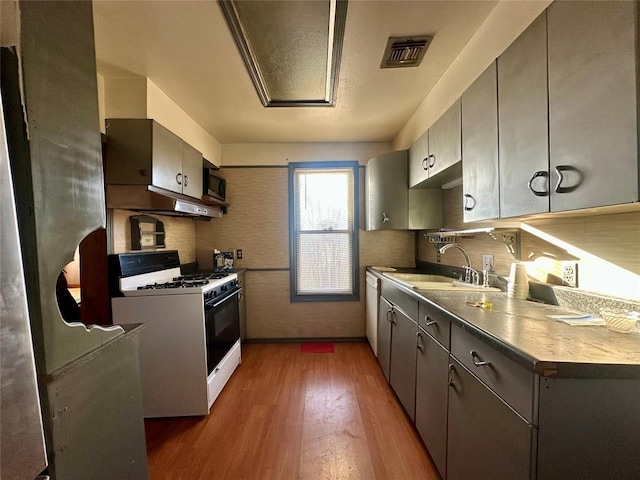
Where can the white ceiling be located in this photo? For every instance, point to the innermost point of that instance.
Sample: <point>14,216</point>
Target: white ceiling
<point>186,49</point>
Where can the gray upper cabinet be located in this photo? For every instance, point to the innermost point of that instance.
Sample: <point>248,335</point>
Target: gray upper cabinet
<point>523,123</point>
<point>143,152</point>
<point>419,160</point>
<point>390,205</point>
<point>480,147</point>
<point>387,200</point>
<point>191,171</point>
<point>435,157</point>
<point>444,141</point>
<point>593,103</point>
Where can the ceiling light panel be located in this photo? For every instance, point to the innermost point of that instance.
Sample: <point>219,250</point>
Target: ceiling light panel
<point>291,48</point>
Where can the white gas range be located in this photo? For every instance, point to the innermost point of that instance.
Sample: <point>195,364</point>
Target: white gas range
<point>190,345</point>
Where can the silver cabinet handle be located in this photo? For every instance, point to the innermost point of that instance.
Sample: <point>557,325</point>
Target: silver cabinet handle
<point>477,361</point>
<point>566,168</point>
<point>538,193</point>
<point>450,381</point>
<point>385,219</point>
<point>429,322</point>
<point>186,180</point>
<point>469,202</point>
<point>419,343</point>
<point>179,179</point>
<point>432,160</point>
<point>425,163</point>
<point>389,313</point>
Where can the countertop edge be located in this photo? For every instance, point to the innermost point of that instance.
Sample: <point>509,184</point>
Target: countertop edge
<point>544,368</point>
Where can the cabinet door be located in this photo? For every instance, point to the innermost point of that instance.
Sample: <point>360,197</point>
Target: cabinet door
<point>487,440</point>
<point>593,103</point>
<point>524,123</point>
<point>431,398</point>
<point>191,171</point>
<point>480,148</point>
<point>384,335</point>
<point>419,161</point>
<point>242,306</point>
<point>402,368</point>
<point>167,159</point>
<point>387,192</point>
<point>444,141</point>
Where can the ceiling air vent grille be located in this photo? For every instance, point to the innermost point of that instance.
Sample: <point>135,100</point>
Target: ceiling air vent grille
<point>405,51</point>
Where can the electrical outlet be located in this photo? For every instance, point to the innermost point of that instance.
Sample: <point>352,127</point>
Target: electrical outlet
<point>570,273</point>
<point>239,254</point>
<point>487,262</point>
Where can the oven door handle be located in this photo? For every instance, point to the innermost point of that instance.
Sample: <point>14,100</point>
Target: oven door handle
<point>213,303</point>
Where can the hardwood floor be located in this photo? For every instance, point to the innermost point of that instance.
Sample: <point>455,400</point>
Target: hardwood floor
<point>291,415</point>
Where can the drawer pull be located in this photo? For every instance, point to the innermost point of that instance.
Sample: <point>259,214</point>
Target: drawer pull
<point>477,361</point>
<point>429,322</point>
<point>419,343</point>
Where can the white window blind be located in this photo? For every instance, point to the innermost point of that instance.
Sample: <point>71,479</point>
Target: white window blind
<point>324,228</point>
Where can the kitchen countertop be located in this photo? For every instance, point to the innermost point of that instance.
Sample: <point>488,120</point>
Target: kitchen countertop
<point>521,330</point>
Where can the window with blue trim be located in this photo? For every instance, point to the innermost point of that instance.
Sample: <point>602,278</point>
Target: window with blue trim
<point>323,226</point>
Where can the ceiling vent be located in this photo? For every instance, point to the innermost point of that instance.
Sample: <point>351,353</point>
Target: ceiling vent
<point>405,51</point>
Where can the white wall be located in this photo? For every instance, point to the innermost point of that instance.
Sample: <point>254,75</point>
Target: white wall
<point>134,96</point>
<point>261,154</point>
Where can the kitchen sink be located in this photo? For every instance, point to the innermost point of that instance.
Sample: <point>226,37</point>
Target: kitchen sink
<point>425,281</point>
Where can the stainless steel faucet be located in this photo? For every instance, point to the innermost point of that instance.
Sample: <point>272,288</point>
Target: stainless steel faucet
<point>470,275</point>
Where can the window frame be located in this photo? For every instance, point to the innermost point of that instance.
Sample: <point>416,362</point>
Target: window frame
<point>293,237</point>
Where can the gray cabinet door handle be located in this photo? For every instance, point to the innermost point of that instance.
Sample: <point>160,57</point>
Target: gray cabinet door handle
<point>425,164</point>
<point>477,361</point>
<point>450,381</point>
<point>469,202</point>
<point>538,193</point>
<point>419,342</point>
<point>432,160</point>
<point>179,179</point>
<point>385,219</point>
<point>567,168</point>
<point>389,313</point>
<point>186,180</point>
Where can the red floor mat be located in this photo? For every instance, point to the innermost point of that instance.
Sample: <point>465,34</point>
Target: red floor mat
<point>317,347</point>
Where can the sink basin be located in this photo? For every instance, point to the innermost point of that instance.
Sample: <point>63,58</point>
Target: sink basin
<point>425,281</point>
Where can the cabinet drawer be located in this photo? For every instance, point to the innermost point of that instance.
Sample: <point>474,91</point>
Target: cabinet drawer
<point>397,297</point>
<point>435,322</point>
<point>512,382</point>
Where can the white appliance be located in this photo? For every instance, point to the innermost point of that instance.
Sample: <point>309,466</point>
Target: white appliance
<point>372,305</point>
<point>190,345</point>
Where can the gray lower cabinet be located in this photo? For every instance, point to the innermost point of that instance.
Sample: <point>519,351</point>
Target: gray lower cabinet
<point>480,147</point>
<point>593,103</point>
<point>432,397</point>
<point>487,440</point>
<point>524,123</point>
<point>384,336</point>
<point>402,367</point>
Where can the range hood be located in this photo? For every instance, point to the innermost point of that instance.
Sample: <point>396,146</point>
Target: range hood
<point>152,199</point>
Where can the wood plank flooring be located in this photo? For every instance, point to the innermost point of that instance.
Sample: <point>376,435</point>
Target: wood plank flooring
<point>291,415</point>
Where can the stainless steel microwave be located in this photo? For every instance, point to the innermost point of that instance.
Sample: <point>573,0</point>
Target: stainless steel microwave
<point>214,185</point>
